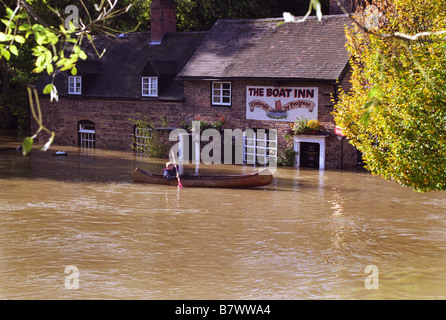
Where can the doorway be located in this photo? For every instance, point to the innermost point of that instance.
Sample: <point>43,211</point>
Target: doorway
<point>309,155</point>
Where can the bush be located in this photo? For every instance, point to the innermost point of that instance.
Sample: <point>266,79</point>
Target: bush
<point>287,157</point>
<point>151,141</point>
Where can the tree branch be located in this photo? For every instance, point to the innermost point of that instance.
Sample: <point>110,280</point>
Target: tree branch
<point>396,35</point>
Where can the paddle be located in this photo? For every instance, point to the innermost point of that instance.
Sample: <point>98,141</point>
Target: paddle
<point>176,169</point>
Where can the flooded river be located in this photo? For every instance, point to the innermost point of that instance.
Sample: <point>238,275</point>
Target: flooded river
<point>77,227</point>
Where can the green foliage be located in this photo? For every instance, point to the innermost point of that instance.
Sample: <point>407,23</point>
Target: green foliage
<point>300,125</point>
<point>150,141</point>
<point>395,112</point>
<point>50,42</point>
<point>287,156</point>
<point>55,46</point>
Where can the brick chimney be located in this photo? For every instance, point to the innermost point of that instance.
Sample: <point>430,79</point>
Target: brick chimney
<point>163,19</point>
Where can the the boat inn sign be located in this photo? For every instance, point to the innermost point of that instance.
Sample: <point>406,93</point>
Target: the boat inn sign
<point>281,103</point>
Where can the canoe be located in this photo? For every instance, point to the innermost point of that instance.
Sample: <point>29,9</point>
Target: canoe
<point>258,179</point>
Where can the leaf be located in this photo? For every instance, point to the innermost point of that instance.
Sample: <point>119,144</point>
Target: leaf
<point>37,27</point>
<point>13,50</point>
<point>27,145</point>
<point>6,54</point>
<point>38,69</point>
<point>48,56</point>
<point>19,39</point>
<point>49,69</point>
<point>82,55</point>
<point>38,50</point>
<point>22,15</point>
<point>9,12</point>
<point>40,62</point>
<point>24,27</point>
<point>5,37</point>
<point>48,88</point>
<point>53,40</point>
<point>8,23</point>
<point>39,37</point>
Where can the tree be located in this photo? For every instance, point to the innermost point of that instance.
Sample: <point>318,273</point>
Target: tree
<point>194,15</point>
<point>54,40</point>
<point>395,110</point>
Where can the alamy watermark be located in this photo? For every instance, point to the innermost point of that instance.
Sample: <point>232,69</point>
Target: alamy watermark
<point>235,146</point>
<point>371,17</point>
<point>72,280</point>
<point>73,17</point>
<point>372,280</point>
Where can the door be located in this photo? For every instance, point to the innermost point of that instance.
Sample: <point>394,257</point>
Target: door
<point>309,155</point>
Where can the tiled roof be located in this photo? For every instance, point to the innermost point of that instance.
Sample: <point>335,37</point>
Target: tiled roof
<point>269,48</point>
<point>118,73</point>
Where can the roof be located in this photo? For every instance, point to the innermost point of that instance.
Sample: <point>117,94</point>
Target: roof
<point>117,74</point>
<point>271,49</point>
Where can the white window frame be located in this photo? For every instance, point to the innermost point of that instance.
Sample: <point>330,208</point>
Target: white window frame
<point>221,96</point>
<point>149,86</point>
<point>259,146</point>
<point>74,85</point>
<point>87,137</point>
<point>142,136</point>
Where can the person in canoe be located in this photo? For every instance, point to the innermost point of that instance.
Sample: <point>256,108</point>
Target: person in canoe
<point>170,172</point>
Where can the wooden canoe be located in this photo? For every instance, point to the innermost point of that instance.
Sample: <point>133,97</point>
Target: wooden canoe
<point>258,179</point>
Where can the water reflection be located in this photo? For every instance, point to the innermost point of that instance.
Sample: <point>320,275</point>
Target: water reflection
<point>310,234</point>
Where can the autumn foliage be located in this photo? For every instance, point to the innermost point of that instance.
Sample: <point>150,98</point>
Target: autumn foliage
<point>395,112</point>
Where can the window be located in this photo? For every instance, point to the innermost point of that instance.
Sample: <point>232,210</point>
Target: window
<point>149,87</point>
<point>87,134</point>
<point>260,146</point>
<point>141,140</point>
<point>221,93</point>
<point>74,85</point>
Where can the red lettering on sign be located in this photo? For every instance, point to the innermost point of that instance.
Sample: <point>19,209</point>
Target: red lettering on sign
<point>303,93</point>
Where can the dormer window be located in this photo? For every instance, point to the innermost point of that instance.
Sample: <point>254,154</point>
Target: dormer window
<point>74,85</point>
<point>149,86</point>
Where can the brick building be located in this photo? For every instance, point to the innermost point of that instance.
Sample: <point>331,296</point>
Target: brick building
<point>258,74</point>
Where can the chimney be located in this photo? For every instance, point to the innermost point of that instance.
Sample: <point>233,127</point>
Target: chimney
<point>163,19</point>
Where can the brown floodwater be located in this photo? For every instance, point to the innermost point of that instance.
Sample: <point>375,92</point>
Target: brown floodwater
<point>309,235</point>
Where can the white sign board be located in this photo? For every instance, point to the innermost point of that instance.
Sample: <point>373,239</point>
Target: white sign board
<point>281,103</point>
